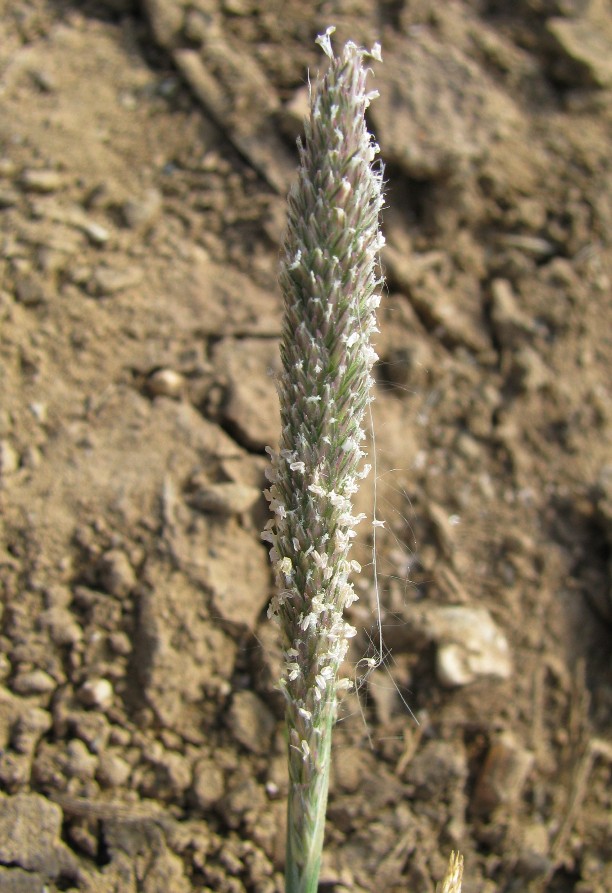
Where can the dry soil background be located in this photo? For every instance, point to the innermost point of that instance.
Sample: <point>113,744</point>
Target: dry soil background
<point>144,155</point>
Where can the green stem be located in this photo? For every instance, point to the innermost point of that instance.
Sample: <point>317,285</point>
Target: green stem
<point>306,810</point>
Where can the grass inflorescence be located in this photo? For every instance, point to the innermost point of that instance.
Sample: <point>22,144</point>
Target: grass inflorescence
<point>331,289</point>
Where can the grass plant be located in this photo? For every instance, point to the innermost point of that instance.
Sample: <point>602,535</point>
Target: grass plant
<point>331,289</point>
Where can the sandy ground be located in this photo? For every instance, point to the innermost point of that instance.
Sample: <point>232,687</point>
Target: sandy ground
<point>145,152</point>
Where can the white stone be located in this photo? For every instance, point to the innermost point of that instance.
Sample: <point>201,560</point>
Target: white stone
<point>470,645</point>
<point>97,693</point>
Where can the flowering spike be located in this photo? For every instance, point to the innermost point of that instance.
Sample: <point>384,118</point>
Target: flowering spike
<point>330,284</point>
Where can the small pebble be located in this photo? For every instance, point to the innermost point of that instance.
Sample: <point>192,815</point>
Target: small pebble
<point>8,198</point>
<point>503,774</point>
<point>62,626</point>
<point>139,213</point>
<point>83,838</point>
<point>529,371</point>
<point>15,771</point>
<point>177,770</point>
<point>96,693</point>
<point>31,457</point>
<point>80,274</point>
<point>529,244</point>
<point>33,682</point>
<point>39,410</point>
<point>120,643</point>
<point>351,769</point>
<point>95,232</point>
<point>246,796</point>
<point>128,100</point>
<point>470,645</point>
<point>224,499</point>
<point>42,181</point>
<point>30,727</point>
<point>251,722</point>
<point>62,239</point>
<point>109,280</point>
<point>113,770</point>
<point>116,573</point>
<point>92,727</point>
<point>80,763</point>
<point>30,291</point>
<point>208,783</point>
<point>9,458</point>
<point>57,596</point>
<point>510,322</point>
<point>120,736</point>
<point>43,80</point>
<point>166,383</point>
<point>468,447</point>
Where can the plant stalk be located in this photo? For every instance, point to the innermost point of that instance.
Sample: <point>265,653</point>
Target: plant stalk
<point>306,810</point>
<point>331,291</point>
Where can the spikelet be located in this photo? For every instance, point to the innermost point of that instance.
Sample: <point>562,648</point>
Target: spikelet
<point>451,883</point>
